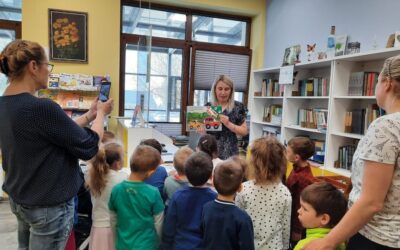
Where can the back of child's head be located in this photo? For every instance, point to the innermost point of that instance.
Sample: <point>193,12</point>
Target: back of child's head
<point>152,143</point>
<point>180,158</point>
<point>302,146</point>
<point>144,158</point>
<point>325,199</point>
<point>100,165</point>
<point>228,176</point>
<point>268,158</point>
<point>243,164</point>
<point>208,144</point>
<point>108,136</point>
<point>198,168</point>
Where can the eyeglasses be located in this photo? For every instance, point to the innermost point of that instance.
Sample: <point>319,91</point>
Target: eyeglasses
<point>49,66</point>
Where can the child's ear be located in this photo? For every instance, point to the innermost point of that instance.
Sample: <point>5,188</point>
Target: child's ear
<point>325,219</point>
<point>150,173</point>
<point>297,157</point>
<point>240,188</point>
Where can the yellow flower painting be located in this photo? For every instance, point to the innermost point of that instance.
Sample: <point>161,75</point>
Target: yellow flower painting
<point>68,41</point>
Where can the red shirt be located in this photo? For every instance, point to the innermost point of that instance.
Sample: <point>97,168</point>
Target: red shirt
<point>299,178</point>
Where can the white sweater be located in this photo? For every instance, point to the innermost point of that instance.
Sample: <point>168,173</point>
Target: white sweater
<point>100,213</point>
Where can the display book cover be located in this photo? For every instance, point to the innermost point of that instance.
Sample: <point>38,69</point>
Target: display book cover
<point>206,116</point>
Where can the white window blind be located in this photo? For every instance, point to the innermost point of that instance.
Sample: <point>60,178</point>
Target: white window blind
<point>209,65</point>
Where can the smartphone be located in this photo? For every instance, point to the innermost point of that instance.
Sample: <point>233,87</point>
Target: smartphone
<point>104,91</point>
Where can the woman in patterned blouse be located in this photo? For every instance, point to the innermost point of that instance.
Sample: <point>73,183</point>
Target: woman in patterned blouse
<point>373,219</point>
<point>233,117</point>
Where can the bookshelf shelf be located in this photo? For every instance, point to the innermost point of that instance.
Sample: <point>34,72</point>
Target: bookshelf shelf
<point>297,127</point>
<point>267,124</point>
<point>355,97</point>
<point>336,74</point>
<point>309,97</point>
<point>267,97</point>
<point>348,135</point>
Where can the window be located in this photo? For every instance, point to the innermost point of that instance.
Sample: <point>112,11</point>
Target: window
<point>140,21</point>
<point>218,30</point>
<point>11,10</point>
<point>170,79</point>
<point>10,28</point>
<point>161,89</point>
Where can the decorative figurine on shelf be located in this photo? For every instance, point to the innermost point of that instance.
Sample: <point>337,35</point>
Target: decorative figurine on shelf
<point>311,53</point>
<point>322,55</point>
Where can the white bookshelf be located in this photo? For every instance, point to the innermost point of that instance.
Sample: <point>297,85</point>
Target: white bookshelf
<point>337,71</point>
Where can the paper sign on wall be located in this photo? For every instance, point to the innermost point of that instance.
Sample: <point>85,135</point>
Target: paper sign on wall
<point>286,74</point>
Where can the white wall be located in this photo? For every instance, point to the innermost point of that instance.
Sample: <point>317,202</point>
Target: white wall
<point>291,22</point>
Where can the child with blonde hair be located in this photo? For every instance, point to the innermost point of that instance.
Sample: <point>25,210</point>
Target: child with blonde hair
<point>104,174</point>
<point>178,179</point>
<point>265,198</point>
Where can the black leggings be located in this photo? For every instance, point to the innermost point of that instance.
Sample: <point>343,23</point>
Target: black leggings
<point>359,242</point>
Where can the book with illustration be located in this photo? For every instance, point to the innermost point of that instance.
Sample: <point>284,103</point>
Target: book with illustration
<point>203,116</point>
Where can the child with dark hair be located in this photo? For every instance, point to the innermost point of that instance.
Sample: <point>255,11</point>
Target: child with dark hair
<point>138,206</point>
<point>322,207</point>
<point>104,174</point>
<point>264,197</point>
<point>208,144</point>
<point>220,214</point>
<point>178,180</point>
<point>299,149</point>
<point>182,224</point>
<point>157,179</point>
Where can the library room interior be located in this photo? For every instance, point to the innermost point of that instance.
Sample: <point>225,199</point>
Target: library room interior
<point>175,124</point>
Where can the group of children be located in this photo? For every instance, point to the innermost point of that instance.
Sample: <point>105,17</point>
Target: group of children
<point>207,203</point>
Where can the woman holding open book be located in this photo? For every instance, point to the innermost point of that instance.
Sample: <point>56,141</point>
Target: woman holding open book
<point>373,218</point>
<point>233,117</point>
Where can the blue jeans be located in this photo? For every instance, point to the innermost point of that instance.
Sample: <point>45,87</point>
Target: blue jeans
<point>43,227</point>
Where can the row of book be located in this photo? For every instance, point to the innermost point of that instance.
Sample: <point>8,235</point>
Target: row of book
<point>273,114</point>
<point>345,157</point>
<point>316,86</point>
<point>313,118</point>
<point>75,81</point>
<point>362,83</point>
<point>271,87</point>
<point>357,121</point>
<point>70,99</point>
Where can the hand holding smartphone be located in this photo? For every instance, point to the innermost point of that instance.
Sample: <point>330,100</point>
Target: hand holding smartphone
<point>104,91</point>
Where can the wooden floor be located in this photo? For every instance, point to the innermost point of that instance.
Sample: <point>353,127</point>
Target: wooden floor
<point>8,227</point>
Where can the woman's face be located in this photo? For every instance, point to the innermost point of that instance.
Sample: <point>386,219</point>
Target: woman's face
<point>379,90</point>
<point>222,92</point>
<point>43,74</point>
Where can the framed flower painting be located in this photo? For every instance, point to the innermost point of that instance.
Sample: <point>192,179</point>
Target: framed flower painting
<point>68,36</point>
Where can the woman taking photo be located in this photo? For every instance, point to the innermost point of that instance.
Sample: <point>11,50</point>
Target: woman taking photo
<point>41,146</point>
<point>373,219</point>
<point>233,117</point>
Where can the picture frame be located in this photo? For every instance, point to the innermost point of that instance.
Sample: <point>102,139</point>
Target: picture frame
<point>396,39</point>
<point>291,55</point>
<point>68,36</point>
<point>340,45</point>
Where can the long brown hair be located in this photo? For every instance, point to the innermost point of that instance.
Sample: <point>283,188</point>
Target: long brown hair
<point>100,166</point>
<point>17,54</point>
<point>268,159</point>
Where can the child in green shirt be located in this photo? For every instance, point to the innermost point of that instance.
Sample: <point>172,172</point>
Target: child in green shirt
<point>138,206</point>
<point>322,206</point>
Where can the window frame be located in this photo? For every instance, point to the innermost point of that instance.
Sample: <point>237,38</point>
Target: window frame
<point>188,47</point>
